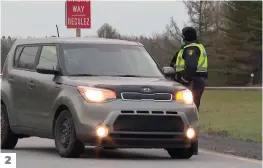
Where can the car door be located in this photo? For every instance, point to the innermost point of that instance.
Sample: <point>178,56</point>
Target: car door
<point>45,89</point>
<point>14,84</point>
<point>24,70</point>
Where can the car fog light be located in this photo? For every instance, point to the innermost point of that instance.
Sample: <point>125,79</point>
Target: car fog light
<point>102,131</point>
<point>190,133</point>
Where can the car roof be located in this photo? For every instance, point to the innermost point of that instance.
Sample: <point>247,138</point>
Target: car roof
<point>81,40</point>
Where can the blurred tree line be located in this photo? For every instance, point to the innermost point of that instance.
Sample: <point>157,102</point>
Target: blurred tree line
<point>6,44</point>
<point>230,30</point>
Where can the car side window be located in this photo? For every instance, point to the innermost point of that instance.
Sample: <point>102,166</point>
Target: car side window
<point>17,54</point>
<point>27,58</point>
<point>49,56</point>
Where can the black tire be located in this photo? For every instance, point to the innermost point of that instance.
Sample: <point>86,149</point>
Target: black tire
<point>67,144</point>
<point>8,138</point>
<point>180,153</point>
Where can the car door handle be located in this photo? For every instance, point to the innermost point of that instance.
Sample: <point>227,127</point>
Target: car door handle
<point>31,84</point>
<point>10,79</point>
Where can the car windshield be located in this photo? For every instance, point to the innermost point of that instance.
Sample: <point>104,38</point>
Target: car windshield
<point>109,60</point>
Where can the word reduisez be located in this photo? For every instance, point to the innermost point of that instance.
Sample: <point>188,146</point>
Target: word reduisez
<point>78,0</point>
<point>79,21</point>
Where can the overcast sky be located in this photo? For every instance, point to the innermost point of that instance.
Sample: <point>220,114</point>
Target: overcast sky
<point>130,18</point>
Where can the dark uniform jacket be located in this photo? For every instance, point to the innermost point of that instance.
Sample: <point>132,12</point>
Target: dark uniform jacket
<point>191,62</point>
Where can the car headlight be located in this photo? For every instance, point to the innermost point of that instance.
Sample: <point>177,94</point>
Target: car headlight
<point>102,131</point>
<point>190,133</point>
<point>96,95</point>
<point>184,96</point>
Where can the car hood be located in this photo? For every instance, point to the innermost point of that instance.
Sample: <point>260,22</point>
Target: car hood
<point>94,81</point>
<point>126,84</point>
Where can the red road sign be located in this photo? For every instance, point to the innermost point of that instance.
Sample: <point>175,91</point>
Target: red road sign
<point>78,15</point>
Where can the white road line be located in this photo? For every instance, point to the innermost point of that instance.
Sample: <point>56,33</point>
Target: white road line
<point>230,156</point>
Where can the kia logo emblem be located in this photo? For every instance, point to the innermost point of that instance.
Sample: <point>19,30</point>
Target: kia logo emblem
<point>146,89</point>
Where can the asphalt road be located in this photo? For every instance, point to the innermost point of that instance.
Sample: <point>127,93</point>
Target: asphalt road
<point>41,153</point>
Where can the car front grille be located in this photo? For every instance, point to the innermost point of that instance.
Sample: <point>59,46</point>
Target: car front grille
<point>142,96</point>
<point>148,123</point>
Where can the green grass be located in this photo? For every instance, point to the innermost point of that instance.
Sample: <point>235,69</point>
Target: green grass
<point>236,113</point>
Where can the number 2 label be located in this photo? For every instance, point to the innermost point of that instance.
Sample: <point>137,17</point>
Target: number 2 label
<point>7,160</point>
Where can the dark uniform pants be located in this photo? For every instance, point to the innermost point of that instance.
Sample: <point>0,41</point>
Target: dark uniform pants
<point>197,87</point>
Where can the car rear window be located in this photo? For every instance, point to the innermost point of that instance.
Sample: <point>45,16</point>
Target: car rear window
<point>27,58</point>
<point>17,54</point>
<point>109,59</point>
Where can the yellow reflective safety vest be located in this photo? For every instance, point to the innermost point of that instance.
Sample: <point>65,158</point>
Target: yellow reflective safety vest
<point>202,62</point>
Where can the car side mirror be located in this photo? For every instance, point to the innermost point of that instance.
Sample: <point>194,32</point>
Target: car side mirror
<point>169,71</point>
<point>47,69</point>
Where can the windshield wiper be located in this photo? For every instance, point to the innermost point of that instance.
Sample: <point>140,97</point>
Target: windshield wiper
<point>84,75</point>
<point>128,75</point>
<point>106,75</point>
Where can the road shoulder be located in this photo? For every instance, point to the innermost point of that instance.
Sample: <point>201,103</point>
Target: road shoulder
<point>230,145</point>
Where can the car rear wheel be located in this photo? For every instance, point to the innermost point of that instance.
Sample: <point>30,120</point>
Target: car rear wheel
<point>180,153</point>
<point>8,138</point>
<point>67,144</point>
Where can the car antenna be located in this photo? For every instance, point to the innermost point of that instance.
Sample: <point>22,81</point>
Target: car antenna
<point>57,30</point>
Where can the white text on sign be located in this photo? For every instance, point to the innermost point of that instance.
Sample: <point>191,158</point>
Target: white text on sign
<point>78,9</point>
<point>78,21</point>
<point>78,0</point>
<point>8,160</point>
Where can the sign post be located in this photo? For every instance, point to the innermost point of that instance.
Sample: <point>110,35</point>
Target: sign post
<point>78,33</point>
<point>251,80</point>
<point>78,15</point>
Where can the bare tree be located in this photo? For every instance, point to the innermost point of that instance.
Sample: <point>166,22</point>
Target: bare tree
<point>202,17</point>
<point>218,14</point>
<point>169,41</point>
<point>107,31</point>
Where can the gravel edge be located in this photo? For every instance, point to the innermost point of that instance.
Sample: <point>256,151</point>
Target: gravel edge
<point>230,145</point>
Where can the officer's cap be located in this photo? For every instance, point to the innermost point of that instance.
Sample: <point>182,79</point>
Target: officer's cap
<point>189,33</point>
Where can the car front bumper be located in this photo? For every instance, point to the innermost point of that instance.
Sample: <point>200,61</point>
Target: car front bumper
<point>142,141</point>
<point>157,134</point>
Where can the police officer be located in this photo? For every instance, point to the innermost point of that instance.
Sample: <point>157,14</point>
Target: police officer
<point>190,64</point>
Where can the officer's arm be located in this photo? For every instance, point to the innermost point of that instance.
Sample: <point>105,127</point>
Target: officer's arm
<point>191,56</point>
<point>174,60</point>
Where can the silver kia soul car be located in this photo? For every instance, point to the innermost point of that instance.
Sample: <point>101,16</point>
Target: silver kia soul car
<point>97,92</point>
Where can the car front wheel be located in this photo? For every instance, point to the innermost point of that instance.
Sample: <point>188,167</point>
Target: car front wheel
<point>8,138</point>
<point>65,137</point>
<point>180,153</point>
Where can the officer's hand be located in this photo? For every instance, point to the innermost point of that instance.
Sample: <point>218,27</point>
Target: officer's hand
<point>184,81</point>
